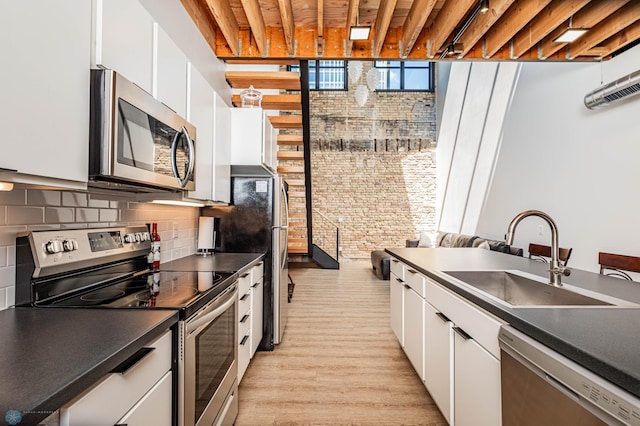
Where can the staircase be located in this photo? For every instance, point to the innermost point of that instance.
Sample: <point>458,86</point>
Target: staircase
<point>290,153</point>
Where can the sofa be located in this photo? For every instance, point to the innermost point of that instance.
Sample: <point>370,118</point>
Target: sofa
<point>380,259</point>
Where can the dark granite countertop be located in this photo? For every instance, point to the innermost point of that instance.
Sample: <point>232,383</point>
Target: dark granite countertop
<point>51,355</point>
<point>600,339</point>
<point>219,262</point>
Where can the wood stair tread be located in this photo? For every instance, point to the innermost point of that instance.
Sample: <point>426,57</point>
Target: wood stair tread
<point>275,102</point>
<point>286,121</point>
<point>283,80</point>
<point>290,155</point>
<point>290,169</point>
<point>290,139</point>
<point>295,182</point>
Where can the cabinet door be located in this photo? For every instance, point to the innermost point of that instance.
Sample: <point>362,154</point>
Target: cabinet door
<point>267,143</point>
<point>44,87</point>
<point>414,329</point>
<point>123,40</point>
<point>171,75</point>
<point>154,408</point>
<point>246,136</point>
<point>222,152</point>
<point>201,101</point>
<point>396,297</point>
<point>256,315</point>
<point>476,384</point>
<point>244,344</point>
<point>438,373</point>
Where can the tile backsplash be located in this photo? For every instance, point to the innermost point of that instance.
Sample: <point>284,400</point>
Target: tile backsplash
<point>33,209</point>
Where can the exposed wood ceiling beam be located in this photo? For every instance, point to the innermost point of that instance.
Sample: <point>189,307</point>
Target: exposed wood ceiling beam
<point>352,15</point>
<point>605,29</point>
<point>511,22</point>
<point>418,14</point>
<point>286,14</point>
<point>202,17</point>
<point>283,80</point>
<point>227,23</point>
<point>587,17</point>
<point>320,18</point>
<point>256,22</point>
<point>482,23</point>
<point>620,40</point>
<point>545,22</point>
<point>383,19</point>
<point>448,18</point>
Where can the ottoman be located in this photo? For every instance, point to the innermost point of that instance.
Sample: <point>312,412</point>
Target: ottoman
<point>380,261</point>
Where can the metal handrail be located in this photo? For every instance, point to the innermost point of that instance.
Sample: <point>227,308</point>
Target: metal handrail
<point>326,218</point>
<point>337,229</point>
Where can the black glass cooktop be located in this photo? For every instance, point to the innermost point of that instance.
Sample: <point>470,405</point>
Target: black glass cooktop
<point>171,290</point>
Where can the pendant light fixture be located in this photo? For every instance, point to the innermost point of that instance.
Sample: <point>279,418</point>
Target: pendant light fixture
<point>570,34</point>
<point>359,32</point>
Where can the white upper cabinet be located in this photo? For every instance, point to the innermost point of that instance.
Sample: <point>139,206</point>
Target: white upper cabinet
<point>44,86</point>
<point>201,105</point>
<point>222,152</point>
<point>171,75</point>
<point>247,136</point>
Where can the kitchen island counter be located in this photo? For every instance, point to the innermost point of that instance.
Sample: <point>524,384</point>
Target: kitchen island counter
<point>601,339</point>
<point>51,355</point>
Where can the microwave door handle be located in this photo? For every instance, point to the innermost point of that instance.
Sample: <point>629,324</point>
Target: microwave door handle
<point>174,157</point>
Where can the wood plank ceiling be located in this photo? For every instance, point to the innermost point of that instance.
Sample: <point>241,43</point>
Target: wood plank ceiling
<point>415,29</point>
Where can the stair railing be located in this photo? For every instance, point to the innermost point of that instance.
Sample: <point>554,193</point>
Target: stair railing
<point>326,234</point>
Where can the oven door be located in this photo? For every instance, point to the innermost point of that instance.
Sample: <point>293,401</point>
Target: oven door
<point>208,366</point>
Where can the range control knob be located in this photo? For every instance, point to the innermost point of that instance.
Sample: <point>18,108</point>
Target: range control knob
<point>70,245</point>
<point>129,238</point>
<point>53,246</point>
<point>138,237</point>
<point>145,236</point>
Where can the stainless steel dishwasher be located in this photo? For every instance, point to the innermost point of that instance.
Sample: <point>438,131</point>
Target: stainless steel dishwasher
<point>542,387</point>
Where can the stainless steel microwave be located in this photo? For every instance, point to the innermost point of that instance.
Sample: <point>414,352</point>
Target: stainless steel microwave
<point>137,143</point>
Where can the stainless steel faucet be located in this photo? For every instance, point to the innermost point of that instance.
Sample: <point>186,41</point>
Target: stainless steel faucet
<point>556,269</point>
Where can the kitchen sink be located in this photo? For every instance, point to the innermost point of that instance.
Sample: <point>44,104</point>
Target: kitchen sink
<point>519,289</point>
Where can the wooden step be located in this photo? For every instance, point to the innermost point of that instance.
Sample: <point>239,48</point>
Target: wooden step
<point>295,182</point>
<point>290,155</point>
<point>293,233</point>
<point>284,80</point>
<point>275,102</point>
<point>286,121</point>
<point>290,169</point>
<point>287,139</point>
<point>298,245</point>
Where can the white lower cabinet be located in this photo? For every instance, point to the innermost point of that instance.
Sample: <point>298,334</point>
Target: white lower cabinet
<point>257,296</point>
<point>396,297</point>
<point>250,295</point>
<point>414,329</point>
<point>476,384</point>
<point>144,386</point>
<point>438,369</point>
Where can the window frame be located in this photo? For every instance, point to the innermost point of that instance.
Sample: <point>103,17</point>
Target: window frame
<point>430,67</point>
<point>318,67</point>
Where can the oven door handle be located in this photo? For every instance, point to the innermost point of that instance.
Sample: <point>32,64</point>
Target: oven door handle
<point>206,317</point>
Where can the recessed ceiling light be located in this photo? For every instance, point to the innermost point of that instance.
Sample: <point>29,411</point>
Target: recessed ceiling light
<point>484,6</point>
<point>570,35</point>
<point>359,33</point>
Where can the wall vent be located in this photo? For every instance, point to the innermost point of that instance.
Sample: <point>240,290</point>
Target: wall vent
<point>623,87</point>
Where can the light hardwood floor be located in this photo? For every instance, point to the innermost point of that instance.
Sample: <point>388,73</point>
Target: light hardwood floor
<point>339,362</point>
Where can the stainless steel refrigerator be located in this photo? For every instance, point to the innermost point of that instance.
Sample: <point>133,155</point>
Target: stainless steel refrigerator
<point>257,221</point>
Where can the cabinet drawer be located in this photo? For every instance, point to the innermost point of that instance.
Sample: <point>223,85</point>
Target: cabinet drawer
<point>244,325</point>
<point>479,324</point>
<point>416,281</point>
<point>397,268</point>
<point>244,303</point>
<point>154,408</point>
<point>244,282</point>
<point>257,272</point>
<point>244,345</point>
<point>117,393</point>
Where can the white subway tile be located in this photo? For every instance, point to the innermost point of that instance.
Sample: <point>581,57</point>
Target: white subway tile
<point>74,199</point>
<point>3,299</point>
<point>59,214</point>
<point>8,234</point>
<point>3,257</point>
<point>86,215</point>
<point>18,215</point>
<point>11,295</point>
<point>36,197</point>
<point>3,215</point>
<point>7,276</point>
<point>101,204</point>
<point>108,215</point>
<point>11,255</point>
<point>43,227</point>
<point>74,226</point>
<point>17,197</point>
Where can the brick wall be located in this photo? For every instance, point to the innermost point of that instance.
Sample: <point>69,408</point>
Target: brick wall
<point>374,167</point>
<point>29,209</point>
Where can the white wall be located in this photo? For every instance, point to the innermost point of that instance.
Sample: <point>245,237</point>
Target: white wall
<point>580,166</point>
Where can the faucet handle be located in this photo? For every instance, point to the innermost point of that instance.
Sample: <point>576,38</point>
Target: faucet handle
<point>561,270</point>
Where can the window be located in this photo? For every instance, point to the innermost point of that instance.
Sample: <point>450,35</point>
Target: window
<point>405,76</point>
<point>326,75</point>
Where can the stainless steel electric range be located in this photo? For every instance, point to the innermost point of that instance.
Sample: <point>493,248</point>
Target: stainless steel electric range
<point>107,268</point>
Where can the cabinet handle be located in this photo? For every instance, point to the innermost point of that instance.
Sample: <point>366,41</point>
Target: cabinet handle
<point>407,286</point>
<point>255,285</point>
<point>413,271</point>
<point>128,364</point>
<point>245,275</point>
<point>443,317</point>
<point>243,298</point>
<point>399,280</point>
<point>395,261</point>
<point>4,169</point>
<point>462,333</point>
<point>244,340</point>
<point>244,318</point>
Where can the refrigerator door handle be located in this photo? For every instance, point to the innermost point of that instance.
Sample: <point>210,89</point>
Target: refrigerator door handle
<point>286,227</point>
